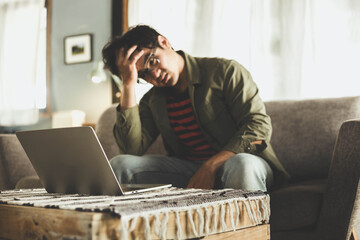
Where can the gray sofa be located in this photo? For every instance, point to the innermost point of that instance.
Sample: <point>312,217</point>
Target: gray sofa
<point>318,141</point>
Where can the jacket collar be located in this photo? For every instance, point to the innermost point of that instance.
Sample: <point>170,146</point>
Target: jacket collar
<point>192,67</point>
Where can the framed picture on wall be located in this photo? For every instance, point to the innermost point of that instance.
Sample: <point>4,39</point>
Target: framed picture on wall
<point>78,48</point>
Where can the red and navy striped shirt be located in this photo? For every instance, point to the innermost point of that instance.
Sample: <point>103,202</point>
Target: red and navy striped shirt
<point>183,122</point>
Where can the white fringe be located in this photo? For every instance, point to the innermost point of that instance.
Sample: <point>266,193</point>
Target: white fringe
<point>265,205</point>
<point>231,212</point>
<point>157,225</point>
<point>250,213</point>
<point>178,226</point>
<point>191,220</point>
<point>207,221</point>
<point>254,214</point>
<point>222,217</point>
<point>258,211</point>
<point>214,217</point>
<point>200,222</point>
<point>147,230</point>
<point>124,233</point>
<point>237,212</point>
<point>133,224</point>
<point>163,227</point>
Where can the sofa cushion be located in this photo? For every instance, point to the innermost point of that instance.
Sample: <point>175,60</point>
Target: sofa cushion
<point>297,205</point>
<point>14,163</point>
<point>304,133</point>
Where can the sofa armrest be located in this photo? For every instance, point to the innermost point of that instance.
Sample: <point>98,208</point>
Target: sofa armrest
<point>104,131</point>
<point>14,163</point>
<point>340,210</point>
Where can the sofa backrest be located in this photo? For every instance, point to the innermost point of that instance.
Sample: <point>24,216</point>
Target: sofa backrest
<point>304,133</point>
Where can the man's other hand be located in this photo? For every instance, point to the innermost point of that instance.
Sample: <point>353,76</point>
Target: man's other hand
<point>204,178</point>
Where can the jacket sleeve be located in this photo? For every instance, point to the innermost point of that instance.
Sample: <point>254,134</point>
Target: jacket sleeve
<point>134,129</point>
<point>247,110</point>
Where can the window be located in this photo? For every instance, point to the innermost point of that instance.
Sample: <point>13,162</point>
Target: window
<point>23,56</point>
<point>41,83</point>
<point>293,49</point>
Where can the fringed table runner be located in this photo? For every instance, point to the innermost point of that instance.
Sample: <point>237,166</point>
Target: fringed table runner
<point>193,212</point>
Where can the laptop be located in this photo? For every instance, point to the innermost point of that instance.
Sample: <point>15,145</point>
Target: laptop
<point>72,161</point>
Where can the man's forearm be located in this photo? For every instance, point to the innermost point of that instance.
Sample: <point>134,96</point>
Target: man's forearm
<point>128,98</point>
<point>219,159</point>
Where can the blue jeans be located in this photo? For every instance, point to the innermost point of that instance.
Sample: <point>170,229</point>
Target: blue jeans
<point>241,171</point>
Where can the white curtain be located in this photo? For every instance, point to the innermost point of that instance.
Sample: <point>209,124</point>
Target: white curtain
<point>294,49</point>
<point>19,43</point>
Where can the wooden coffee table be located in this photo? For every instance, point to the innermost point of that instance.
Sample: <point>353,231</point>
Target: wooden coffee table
<point>169,214</point>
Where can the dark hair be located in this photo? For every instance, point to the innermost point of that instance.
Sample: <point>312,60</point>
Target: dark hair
<point>141,35</point>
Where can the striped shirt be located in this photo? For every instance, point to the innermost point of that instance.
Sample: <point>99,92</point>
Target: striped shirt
<point>186,128</point>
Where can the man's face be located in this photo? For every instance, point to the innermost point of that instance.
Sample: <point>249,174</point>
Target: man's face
<point>158,66</point>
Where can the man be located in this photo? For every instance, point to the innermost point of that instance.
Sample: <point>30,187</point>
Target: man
<point>207,110</point>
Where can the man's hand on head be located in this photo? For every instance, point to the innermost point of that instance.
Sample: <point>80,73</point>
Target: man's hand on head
<point>126,64</point>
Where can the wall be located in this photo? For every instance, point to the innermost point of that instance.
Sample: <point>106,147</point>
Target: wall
<point>71,87</point>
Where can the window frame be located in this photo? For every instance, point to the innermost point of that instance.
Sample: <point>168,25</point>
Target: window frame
<point>46,112</point>
<point>119,25</point>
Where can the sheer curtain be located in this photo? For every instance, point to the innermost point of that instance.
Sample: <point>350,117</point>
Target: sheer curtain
<point>19,42</point>
<point>293,49</point>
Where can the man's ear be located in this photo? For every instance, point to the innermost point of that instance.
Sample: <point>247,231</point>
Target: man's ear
<point>163,42</point>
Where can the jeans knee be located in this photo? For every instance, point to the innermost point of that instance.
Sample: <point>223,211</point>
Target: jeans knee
<point>123,161</point>
<point>246,171</point>
<point>242,163</point>
<point>124,166</point>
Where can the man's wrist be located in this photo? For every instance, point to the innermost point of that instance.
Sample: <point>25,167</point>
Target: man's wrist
<point>129,87</point>
<point>216,161</point>
<point>211,165</point>
<point>128,97</point>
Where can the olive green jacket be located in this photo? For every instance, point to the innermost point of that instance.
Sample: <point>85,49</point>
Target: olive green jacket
<point>226,105</point>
